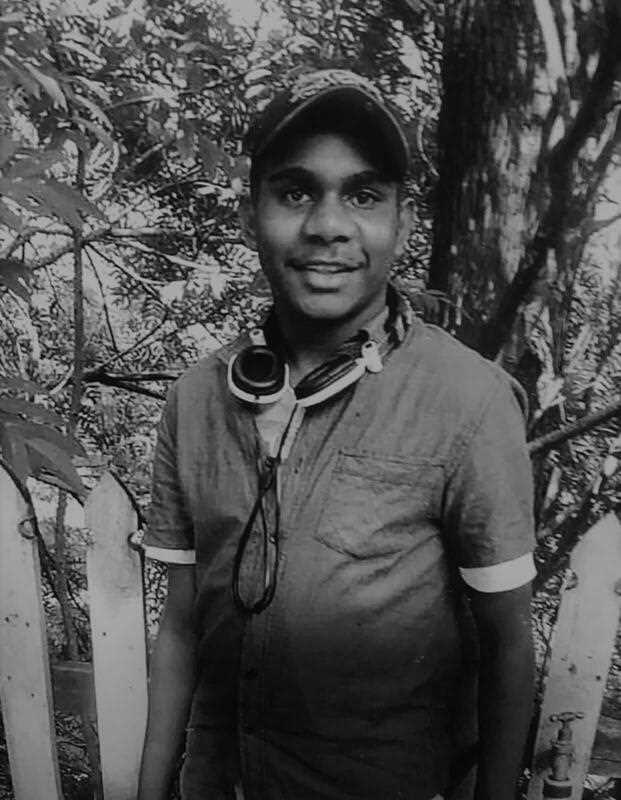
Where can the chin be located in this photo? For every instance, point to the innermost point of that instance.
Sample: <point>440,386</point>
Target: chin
<point>328,308</point>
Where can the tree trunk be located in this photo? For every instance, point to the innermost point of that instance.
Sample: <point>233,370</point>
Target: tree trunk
<point>495,104</point>
<point>512,190</point>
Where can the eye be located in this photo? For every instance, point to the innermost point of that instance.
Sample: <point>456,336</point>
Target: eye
<point>365,198</point>
<point>294,195</point>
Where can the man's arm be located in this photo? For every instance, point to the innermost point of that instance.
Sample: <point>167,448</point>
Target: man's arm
<point>171,684</point>
<point>505,688</point>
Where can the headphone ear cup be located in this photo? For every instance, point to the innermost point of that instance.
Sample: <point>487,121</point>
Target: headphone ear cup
<point>258,371</point>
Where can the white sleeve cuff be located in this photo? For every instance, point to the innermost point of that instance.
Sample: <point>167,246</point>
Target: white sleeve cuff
<point>170,556</point>
<point>500,577</point>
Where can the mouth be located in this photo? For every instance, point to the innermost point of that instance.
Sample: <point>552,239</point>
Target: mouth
<point>324,267</point>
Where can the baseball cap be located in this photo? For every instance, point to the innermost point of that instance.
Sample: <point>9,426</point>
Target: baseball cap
<point>328,95</point>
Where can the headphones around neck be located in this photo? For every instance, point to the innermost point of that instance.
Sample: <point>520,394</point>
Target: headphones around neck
<point>259,375</point>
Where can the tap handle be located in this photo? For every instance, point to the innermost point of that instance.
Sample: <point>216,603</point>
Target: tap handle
<point>566,718</point>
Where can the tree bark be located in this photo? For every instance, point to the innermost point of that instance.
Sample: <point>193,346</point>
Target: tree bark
<point>491,127</point>
<point>507,205</point>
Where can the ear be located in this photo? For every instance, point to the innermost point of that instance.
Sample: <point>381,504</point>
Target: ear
<point>247,222</point>
<point>407,214</point>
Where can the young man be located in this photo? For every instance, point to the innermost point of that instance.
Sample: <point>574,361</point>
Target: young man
<point>321,540</point>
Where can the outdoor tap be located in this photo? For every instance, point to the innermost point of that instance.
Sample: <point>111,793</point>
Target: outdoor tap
<point>558,784</point>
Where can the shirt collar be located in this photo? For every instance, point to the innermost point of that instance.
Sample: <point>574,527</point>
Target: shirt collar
<point>395,319</point>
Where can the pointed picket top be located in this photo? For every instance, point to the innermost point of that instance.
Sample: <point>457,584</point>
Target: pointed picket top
<point>114,573</point>
<point>25,686</point>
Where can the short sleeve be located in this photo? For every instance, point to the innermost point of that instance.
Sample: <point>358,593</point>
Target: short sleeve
<point>488,509</point>
<point>169,536</point>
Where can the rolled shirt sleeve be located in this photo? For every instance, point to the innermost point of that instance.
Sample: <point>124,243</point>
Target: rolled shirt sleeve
<point>169,536</point>
<point>489,497</point>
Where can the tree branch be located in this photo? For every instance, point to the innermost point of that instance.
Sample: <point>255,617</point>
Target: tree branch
<point>115,346</point>
<point>497,330</point>
<point>136,344</point>
<point>27,234</point>
<point>146,283</point>
<point>569,533</point>
<point>590,227</point>
<point>111,380</point>
<point>100,234</point>
<point>580,426</point>
<point>135,377</point>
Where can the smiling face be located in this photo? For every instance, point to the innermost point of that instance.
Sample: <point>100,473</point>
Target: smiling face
<point>327,225</point>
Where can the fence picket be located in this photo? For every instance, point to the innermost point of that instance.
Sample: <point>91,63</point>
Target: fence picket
<point>25,686</point>
<point>118,633</point>
<point>582,647</point>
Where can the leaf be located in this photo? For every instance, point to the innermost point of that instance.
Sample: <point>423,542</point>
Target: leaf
<point>95,110</point>
<point>21,191</point>
<point>210,154</point>
<point>9,19</point>
<point>8,218</point>
<point>30,167</point>
<point>185,143</point>
<point>49,84</point>
<point>257,74</point>
<point>74,47</point>
<point>240,168</point>
<point>95,87</point>
<point>256,90</point>
<point>191,47</point>
<point>33,411</point>
<point>68,194</point>
<point>16,277</point>
<point>20,385</point>
<point>63,10</point>
<point>33,430</point>
<point>180,37</point>
<point>55,198</point>
<point>49,461</point>
<point>154,128</point>
<point>14,452</point>
<point>80,141</point>
<point>95,129</point>
<point>259,286</point>
<point>23,78</point>
<point>195,77</point>
<point>8,147</point>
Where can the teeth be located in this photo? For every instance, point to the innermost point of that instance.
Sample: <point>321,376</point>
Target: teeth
<point>327,267</point>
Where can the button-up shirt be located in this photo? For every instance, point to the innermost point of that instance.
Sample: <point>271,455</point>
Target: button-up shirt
<point>392,495</point>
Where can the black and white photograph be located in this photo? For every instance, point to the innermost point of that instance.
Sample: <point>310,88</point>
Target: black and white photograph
<point>310,399</point>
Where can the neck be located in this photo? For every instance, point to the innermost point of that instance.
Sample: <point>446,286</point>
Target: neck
<point>310,342</point>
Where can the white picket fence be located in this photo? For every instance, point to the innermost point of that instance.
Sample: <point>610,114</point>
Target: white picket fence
<point>119,666</point>
<point>583,645</point>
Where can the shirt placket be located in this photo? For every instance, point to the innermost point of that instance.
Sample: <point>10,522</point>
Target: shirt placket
<point>251,707</point>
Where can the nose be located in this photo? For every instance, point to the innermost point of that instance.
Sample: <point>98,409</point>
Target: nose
<point>329,220</point>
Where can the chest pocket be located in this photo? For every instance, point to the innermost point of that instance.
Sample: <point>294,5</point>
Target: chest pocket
<point>376,504</point>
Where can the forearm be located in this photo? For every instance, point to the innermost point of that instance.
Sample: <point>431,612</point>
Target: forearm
<point>505,709</point>
<point>506,680</point>
<point>171,685</point>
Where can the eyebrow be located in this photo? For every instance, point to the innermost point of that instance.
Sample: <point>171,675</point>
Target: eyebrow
<point>303,175</point>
